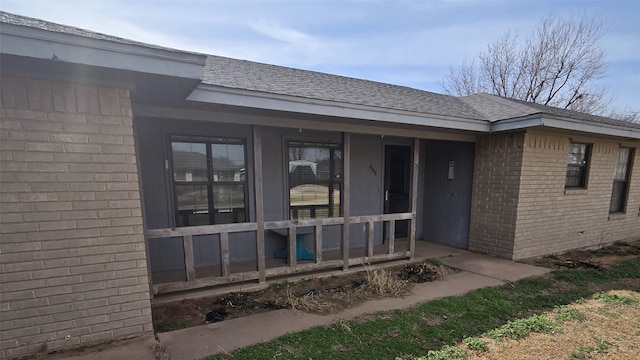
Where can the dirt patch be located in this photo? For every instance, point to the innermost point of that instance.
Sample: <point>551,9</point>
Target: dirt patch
<point>333,294</point>
<point>583,259</point>
<point>605,327</point>
<point>319,295</point>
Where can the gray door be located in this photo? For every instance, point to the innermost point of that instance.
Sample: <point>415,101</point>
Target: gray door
<point>397,180</point>
<point>447,192</point>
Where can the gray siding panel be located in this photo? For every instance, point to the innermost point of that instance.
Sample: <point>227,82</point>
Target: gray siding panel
<point>447,203</point>
<point>366,185</point>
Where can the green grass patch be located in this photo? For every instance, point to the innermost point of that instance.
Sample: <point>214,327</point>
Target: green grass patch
<point>446,353</point>
<point>585,352</point>
<point>445,322</point>
<point>565,313</point>
<point>476,344</point>
<point>520,328</point>
<point>615,299</point>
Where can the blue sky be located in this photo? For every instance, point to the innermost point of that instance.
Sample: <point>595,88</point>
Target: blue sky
<point>410,43</point>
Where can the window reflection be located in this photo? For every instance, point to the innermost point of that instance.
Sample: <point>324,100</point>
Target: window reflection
<point>209,178</point>
<point>314,180</point>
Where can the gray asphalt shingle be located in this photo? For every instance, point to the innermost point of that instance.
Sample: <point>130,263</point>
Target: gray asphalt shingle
<point>495,108</point>
<point>249,75</point>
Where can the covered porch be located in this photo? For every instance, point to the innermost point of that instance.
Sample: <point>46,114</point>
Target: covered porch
<point>308,234</point>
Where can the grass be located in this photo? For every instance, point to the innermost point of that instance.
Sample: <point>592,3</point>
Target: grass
<point>614,299</point>
<point>520,328</point>
<point>585,352</point>
<point>436,325</point>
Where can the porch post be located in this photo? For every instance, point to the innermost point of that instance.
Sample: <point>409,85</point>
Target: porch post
<point>257,177</point>
<point>346,185</point>
<point>414,196</point>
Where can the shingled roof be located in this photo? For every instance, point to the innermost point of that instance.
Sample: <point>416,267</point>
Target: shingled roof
<point>249,75</point>
<point>495,108</point>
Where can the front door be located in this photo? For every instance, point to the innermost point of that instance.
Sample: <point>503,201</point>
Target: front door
<point>397,184</point>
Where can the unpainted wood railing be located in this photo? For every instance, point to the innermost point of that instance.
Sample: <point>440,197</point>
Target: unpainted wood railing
<point>261,273</point>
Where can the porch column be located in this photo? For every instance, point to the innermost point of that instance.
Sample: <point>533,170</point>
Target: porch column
<point>346,185</point>
<point>414,196</point>
<point>257,180</point>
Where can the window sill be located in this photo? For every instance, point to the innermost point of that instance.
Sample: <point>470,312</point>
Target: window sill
<point>617,216</point>
<point>572,191</point>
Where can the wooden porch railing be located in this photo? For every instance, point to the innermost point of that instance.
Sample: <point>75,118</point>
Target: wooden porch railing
<point>223,231</point>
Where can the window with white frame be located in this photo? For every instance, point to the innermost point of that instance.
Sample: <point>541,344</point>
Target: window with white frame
<point>314,178</point>
<point>621,180</point>
<point>577,166</point>
<point>209,180</point>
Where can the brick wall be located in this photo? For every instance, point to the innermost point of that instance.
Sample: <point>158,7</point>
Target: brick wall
<point>72,255</point>
<point>520,207</point>
<point>552,219</point>
<point>494,199</point>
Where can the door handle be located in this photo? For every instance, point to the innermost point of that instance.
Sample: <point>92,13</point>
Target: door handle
<point>386,195</point>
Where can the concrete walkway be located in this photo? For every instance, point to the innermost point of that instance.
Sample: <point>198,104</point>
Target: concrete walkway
<point>193,343</point>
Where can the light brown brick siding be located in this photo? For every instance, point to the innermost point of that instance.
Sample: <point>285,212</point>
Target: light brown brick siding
<point>72,255</point>
<point>494,199</point>
<point>552,219</point>
<point>520,207</point>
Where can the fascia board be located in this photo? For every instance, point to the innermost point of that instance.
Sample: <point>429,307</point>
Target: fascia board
<point>298,123</point>
<point>41,44</point>
<point>565,124</point>
<point>260,100</point>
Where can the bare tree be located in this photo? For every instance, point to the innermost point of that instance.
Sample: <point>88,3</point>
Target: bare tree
<point>558,64</point>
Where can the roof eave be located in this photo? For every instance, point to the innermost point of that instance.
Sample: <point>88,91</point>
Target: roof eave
<point>544,120</point>
<point>43,44</point>
<point>262,100</point>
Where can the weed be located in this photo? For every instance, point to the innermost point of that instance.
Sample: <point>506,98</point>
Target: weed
<point>281,285</point>
<point>602,345</point>
<point>307,302</point>
<point>520,328</point>
<point>608,314</point>
<point>476,344</point>
<point>447,353</point>
<point>565,313</point>
<point>584,352</point>
<point>434,261</point>
<point>344,326</point>
<point>615,299</point>
<point>384,283</point>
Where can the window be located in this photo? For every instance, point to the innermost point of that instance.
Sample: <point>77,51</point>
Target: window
<point>620,181</point>
<point>209,183</point>
<point>577,166</point>
<point>314,180</point>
